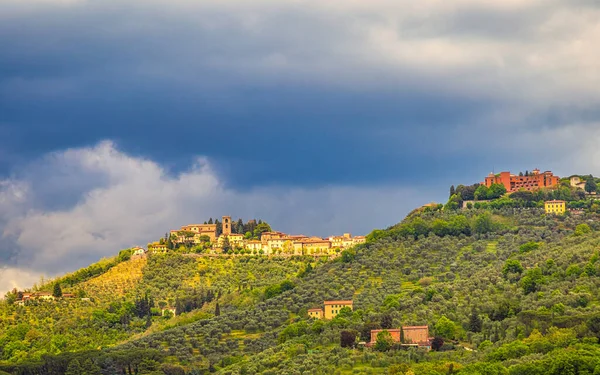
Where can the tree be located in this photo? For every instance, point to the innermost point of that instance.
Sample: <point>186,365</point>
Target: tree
<point>459,224</point>
<point>57,292</point>
<point>512,266</point>
<point>90,368</point>
<point>387,321</point>
<point>475,322</point>
<point>210,221</point>
<point>481,193</point>
<point>532,279</point>
<point>590,184</point>
<point>384,341</point>
<point>261,228</point>
<point>226,247</point>
<point>452,190</point>
<point>454,203</point>
<point>483,223</point>
<point>496,191</point>
<point>217,309</point>
<point>582,229</point>
<point>445,328</point>
<point>239,227</point>
<point>348,339</point>
<point>467,193</point>
<point>74,368</point>
<point>437,343</point>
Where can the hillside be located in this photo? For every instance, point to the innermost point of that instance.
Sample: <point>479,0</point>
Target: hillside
<point>508,291</point>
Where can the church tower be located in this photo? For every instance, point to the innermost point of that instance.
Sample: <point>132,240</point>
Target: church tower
<point>226,225</point>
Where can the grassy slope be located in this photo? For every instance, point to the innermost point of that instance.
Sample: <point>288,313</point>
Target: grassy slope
<point>72,325</point>
<point>415,281</point>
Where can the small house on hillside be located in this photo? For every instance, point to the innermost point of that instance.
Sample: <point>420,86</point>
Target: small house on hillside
<point>407,336</point>
<point>332,308</point>
<point>138,252</point>
<point>315,313</point>
<point>556,207</point>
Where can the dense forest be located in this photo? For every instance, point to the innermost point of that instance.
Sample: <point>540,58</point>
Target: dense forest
<point>505,290</point>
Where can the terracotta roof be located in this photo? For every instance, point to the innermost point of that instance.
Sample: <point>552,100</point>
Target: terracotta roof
<point>339,302</point>
<point>555,201</point>
<point>317,309</point>
<point>415,327</point>
<point>389,330</point>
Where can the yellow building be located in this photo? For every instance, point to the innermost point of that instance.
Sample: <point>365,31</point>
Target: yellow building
<point>332,308</point>
<point>157,247</point>
<point>254,245</point>
<point>315,313</point>
<point>235,240</point>
<point>555,207</point>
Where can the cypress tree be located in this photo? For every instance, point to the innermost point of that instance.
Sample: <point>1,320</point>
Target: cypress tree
<point>475,322</point>
<point>57,292</point>
<point>217,310</point>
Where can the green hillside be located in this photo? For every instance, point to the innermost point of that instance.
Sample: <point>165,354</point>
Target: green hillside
<point>504,291</point>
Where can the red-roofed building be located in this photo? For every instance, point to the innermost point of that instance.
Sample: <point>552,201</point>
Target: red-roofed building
<point>535,180</point>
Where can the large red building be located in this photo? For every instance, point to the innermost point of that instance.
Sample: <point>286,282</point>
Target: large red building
<point>533,181</point>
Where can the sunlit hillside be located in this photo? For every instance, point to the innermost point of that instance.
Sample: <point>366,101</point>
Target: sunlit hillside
<point>501,291</point>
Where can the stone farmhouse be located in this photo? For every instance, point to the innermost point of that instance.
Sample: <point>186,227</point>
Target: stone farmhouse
<point>406,336</point>
<point>270,243</point>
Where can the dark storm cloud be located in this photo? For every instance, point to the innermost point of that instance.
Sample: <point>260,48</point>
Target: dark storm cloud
<point>274,94</point>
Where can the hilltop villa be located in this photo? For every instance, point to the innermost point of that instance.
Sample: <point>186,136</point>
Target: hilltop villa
<point>512,183</point>
<point>270,243</point>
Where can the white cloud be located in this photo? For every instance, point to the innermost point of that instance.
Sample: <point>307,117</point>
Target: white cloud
<point>11,278</point>
<point>136,202</point>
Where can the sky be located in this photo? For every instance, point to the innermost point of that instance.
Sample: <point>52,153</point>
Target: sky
<point>120,120</point>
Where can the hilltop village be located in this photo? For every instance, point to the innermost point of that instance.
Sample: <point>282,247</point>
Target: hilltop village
<point>227,237</point>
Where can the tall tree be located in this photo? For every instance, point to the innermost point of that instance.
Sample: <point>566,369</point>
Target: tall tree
<point>57,292</point>
<point>226,247</point>
<point>217,309</point>
<point>219,227</point>
<point>261,228</point>
<point>475,322</point>
<point>452,191</point>
<point>590,184</point>
<point>239,227</point>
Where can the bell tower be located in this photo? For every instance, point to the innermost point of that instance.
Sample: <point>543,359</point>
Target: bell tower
<point>226,225</point>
